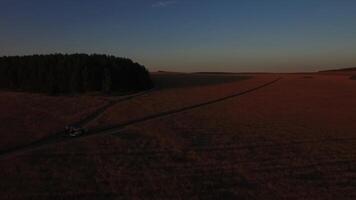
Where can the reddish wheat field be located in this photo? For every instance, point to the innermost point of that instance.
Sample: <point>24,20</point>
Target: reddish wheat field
<point>26,117</point>
<point>293,139</point>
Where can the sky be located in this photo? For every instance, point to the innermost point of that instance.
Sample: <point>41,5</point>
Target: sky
<point>188,35</point>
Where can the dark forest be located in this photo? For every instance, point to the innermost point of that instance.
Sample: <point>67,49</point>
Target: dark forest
<point>70,74</point>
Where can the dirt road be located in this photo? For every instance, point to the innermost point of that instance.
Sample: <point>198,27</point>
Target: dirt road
<point>60,137</point>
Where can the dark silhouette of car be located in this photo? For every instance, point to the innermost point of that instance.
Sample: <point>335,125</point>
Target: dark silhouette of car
<point>74,131</point>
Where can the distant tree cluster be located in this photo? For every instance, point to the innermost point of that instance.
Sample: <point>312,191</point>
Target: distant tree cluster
<point>75,73</point>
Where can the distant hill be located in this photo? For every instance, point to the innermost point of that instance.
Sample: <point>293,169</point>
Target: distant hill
<point>75,73</point>
<point>341,70</point>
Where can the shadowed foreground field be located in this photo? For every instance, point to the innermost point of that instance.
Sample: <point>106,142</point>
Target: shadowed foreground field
<point>294,139</point>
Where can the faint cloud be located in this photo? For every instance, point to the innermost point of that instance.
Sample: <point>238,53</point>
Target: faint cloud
<point>162,4</point>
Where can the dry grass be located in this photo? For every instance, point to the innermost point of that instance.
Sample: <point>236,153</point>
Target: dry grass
<point>292,140</point>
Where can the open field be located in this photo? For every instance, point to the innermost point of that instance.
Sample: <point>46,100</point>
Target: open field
<point>27,117</point>
<point>181,80</point>
<point>291,139</point>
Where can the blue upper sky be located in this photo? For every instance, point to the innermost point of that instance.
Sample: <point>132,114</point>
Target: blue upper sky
<point>188,35</point>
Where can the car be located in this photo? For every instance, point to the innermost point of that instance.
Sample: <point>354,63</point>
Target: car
<point>74,131</point>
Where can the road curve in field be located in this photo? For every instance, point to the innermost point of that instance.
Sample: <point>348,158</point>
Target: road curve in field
<point>60,137</point>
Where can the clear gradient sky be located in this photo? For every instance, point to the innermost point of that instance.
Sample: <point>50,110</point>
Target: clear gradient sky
<point>188,35</point>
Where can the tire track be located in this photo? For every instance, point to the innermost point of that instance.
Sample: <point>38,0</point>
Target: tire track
<point>111,103</point>
<point>179,110</point>
<point>60,137</point>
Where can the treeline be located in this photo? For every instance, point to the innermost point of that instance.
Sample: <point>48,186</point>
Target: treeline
<point>76,73</point>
